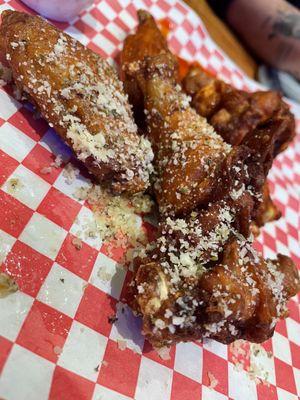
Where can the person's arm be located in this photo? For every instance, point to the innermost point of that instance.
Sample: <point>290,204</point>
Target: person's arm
<point>271,29</point>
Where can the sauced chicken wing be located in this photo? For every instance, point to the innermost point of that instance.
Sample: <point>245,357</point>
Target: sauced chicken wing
<point>188,153</point>
<point>79,94</point>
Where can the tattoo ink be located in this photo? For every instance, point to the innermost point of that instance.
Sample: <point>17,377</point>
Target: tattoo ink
<point>286,24</point>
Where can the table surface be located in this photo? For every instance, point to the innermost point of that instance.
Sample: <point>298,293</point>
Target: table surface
<point>224,37</point>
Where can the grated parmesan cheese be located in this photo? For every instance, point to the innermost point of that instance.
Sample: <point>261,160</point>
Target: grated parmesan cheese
<point>70,173</point>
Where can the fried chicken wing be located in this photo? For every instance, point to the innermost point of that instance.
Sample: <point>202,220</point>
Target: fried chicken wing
<point>79,94</point>
<point>236,114</point>
<point>183,294</point>
<point>190,158</point>
<point>246,295</point>
<point>188,153</point>
<point>146,42</point>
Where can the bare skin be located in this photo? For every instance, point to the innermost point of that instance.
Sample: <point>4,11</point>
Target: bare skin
<point>271,29</point>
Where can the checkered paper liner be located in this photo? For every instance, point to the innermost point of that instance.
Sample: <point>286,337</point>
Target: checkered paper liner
<point>55,338</point>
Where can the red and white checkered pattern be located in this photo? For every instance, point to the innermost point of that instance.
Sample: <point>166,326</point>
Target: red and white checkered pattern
<point>55,338</point>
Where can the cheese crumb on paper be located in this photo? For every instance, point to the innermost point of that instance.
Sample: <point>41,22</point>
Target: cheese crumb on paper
<point>249,357</point>
<point>122,344</point>
<point>7,285</point>
<point>164,353</point>
<point>77,243</point>
<point>116,217</point>
<point>70,173</point>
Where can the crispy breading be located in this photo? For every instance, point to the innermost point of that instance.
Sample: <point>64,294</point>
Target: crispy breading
<point>79,94</point>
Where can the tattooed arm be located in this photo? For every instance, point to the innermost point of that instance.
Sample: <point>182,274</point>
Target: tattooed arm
<point>271,29</point>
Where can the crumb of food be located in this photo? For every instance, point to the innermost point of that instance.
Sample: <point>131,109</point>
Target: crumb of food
<point>105,363</point>
<point>77,243</point>
<point>84,286</point>
<point>257,349</point>
<point>57,162</point>
<point>46,170</point>
<point>70,173</point>
<point>122,345</point>
<point>142,203</point>
<point>14,185</point>
<point>257,370</point>
<point>81,193</point>
<point>248,357</point>
<point>97,368</point>
<point>115,217</point>
<point>213,382</point>
<point>7,285</point>
<point>238,348</point>
<point>57,350</point>
<point>62,280</point>
<point>103,274</point>
<point>164,353</point>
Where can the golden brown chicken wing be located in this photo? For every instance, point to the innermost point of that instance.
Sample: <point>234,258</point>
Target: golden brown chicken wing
<point>236,114</point>
<point>79,94</point>
<point>188,153</point>
<point>245,295</point>
<point>146,42</point>
<point>183,294</point>
<point>189,156</point>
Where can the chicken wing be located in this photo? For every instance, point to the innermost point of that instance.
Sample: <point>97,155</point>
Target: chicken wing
<point>188,153</point>
<point>183,294</point>
<point>146,42</point>
<point>79,94</point>
<point>236,114</point>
